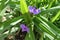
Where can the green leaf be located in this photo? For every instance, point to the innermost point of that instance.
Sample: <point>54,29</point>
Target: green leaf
<point>50,24</point>
<point>2,36</point>
<point>44,26</point>
<point>3,4</point>
<point>53,9</point>
<point>44,29</point>
<point>3,11</point>
<point>49,6</point>
<point>30,35</point>
<point>9,23</point>
<point>23,6</point>
<point>55,17</point>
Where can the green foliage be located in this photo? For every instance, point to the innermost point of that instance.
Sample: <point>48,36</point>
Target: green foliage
<point>43,26</point>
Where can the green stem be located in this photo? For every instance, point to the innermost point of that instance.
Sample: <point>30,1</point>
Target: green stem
<point>42,35</point>
<point>51,4</point>
<point>54,18</point>
<point>27,18</point>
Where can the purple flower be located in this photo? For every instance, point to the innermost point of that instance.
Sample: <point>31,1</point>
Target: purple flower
<point>34,10</point>
<point>24,28</point>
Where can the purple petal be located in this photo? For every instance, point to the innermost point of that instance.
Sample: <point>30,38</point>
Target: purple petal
<point>31,9</point>
<point>24,28</point>
<point>36,11</point>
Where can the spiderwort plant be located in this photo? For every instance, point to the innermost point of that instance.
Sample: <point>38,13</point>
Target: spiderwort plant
<point>34,10</point>
<point>40,26</point>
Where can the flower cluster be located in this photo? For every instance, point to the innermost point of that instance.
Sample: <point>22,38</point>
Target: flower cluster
<point>34,10</point>
<point>24,28</point>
